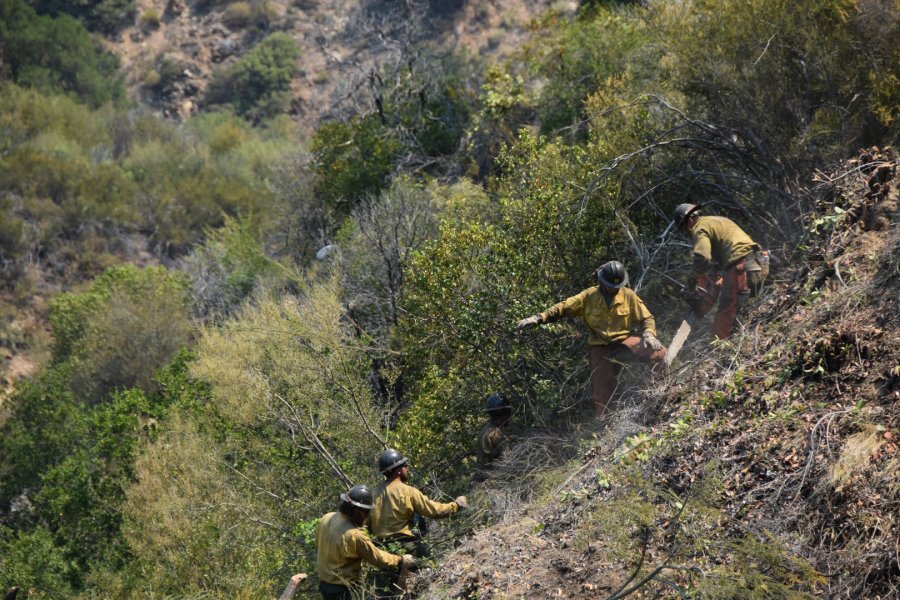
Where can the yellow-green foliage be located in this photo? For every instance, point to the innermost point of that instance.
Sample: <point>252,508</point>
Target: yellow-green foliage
<point>130,323</point>
<point>238,14</point>
<point>444,417</point>
<point>291,363</point>
<point>495,262</point>
<point>575,57</point>
<point>191,526</point>
<point>856,455</point>
<point>83,178</point>
<point>150,18</point>
<point>768,67</point>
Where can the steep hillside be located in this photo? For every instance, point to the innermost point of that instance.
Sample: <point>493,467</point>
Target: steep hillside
<point>764,467</point>
<point>342,43</point>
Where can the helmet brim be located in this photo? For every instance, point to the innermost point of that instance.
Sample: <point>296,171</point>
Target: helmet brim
<point>604,281</point>
<point>679,222</point>
<point>399,463</point>
<point>346,498</point>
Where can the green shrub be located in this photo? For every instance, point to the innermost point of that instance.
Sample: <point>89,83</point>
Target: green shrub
<point>786,77</point>
<point>263,12</point>
<point>151,78</point>
<point>151,18</point>
<point>259,79</point>
<point>238,14</point>
<point>226,269</point>
<point>575,57</point>
<point>105,16</point>
<point>129,324</point>
<point>57,55</point>
<point>353,158</point>
<point>33,561</point>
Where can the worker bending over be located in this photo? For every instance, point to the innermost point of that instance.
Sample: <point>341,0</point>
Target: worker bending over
<point>620,328</point>
<point>727,264</point>
<point>342,545</point>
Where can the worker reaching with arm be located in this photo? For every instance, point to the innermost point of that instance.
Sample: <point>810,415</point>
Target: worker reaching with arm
<point>395,504</point>
<point>342,545</point>
<point>620,328</point>
<point>722,252</point>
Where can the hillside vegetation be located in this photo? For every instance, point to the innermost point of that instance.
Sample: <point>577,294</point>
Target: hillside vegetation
<point>227,319</point>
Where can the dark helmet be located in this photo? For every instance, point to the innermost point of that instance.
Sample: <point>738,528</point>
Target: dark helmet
<point>390,459</point>
<point>359,496</point>
<point>613,274</point>
<point>682,212</point>
<point>497,402</point>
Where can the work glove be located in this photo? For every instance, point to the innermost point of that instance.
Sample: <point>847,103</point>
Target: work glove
<point>651,342</point>
<point>462,502</point>
<point>529,322</point>
<point>407,566</point>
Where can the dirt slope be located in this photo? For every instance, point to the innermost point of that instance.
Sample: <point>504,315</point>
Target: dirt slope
<point>341,41</point>
<point>766,466</point>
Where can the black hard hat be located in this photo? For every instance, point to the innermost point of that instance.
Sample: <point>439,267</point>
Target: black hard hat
<point>390,459</point>
<point>613,274</point>
<point>497,402</point>
<point>683,211</point>
<point>359,496</point>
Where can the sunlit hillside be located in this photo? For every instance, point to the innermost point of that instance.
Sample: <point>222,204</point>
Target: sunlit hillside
<point>247,246</point>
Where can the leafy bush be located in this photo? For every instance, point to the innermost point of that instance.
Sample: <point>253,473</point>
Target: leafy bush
<point>106,16</point>
<point>71,478</point>
<point>226,269</point>
<point>32,561</point>
<point>150,18</point>
<point>116,335</point>
<point>238,14</point>
<point>256,84</point>
<point>57,55</point>
<point>351,159</point>
<point>575,58</point>
<point>785,77</point>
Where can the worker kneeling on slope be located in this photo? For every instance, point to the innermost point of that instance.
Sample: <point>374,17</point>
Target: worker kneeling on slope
<point>491,439</point>
<point>343,545</point>
<point>620,328</point>
<point>727,263</point>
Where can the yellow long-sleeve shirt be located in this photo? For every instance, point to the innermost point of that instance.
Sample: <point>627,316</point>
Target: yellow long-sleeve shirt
<point>394,505</point>
<point>342,546</point>
<point>607,324</point>
<point>719,242</point>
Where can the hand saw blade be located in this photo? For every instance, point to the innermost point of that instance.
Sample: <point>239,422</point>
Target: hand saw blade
<point>680,336</point>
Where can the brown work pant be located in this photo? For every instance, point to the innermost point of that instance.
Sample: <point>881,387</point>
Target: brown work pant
<point>605,367</point>
<point>737,285</point>
<point>732,293</point>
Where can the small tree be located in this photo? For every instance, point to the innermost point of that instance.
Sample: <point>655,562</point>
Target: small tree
<point>256,85</point>
<point>129,324</point>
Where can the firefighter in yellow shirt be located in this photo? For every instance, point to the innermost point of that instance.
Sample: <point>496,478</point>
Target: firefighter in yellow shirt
<point>395,506</point>
<point>620,328</point>
<point>342,545</point>
<point>727,263</point>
